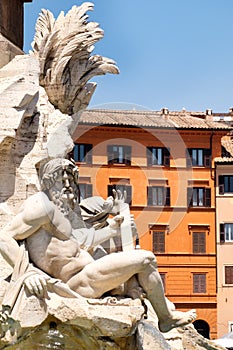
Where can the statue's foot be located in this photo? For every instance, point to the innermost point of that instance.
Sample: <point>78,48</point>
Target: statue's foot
<point>177,319</point>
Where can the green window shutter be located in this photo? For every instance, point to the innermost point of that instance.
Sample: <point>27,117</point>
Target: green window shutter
<point>188,157</point>
<point>207,158</point>
<point>222,233</point>
<point>221,184</point>
<point>207,197</point>
<point>168,196</point>
<point>189,196</point>
<point>149,195</point>
<point>149,156</point>
<point>166,158</point>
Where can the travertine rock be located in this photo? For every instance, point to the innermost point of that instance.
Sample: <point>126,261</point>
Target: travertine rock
<point>32,131</point>
<point>63,48</point>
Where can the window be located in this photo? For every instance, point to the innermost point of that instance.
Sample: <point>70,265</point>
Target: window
<point>230,326</point>
<point>163,278</point>
<point>158,196</point>
<point>158,240</point>
<point>225,184</point>
<point>199,197</point>
<point>119,154</point>
<point>158,156</point>
<point>226,233</point>
<point>199,242</point>
<point>198,157</point>
<point>199,283</point>
<point>85,191</point>
<point>228,274</point>
<point>82,153</point>
<point>122,188</point>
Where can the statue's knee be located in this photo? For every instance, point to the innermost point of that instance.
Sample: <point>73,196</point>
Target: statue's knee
<point>149,258</point>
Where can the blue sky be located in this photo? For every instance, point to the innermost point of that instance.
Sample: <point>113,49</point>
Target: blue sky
<point>171,53</point>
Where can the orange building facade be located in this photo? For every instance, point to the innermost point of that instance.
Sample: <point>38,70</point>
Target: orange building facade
<point>164,160</point>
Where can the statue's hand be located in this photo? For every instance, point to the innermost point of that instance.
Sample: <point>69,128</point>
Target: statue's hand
<point>37,285</point>
<point>115,224</point>
<point>118,199</point>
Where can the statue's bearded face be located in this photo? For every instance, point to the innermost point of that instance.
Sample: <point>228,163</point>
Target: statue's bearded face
<point>65,187</point>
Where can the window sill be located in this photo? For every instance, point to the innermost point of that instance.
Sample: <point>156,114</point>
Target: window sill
<point>158,166</point>
<point>119,164</point>
<point>200,207</point>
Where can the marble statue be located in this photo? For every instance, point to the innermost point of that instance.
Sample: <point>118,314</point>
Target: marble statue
<point>48,261</point>
<point>52,228</point>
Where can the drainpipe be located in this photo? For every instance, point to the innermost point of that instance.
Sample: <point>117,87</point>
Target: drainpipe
<point>211,149</point>
<point>216,245</point>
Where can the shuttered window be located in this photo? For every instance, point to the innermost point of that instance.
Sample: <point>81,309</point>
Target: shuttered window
<point>199,157</point>
<point>82,153</point>
<point>225,183</point>
<point>199,283</point>
<point>119,154</point>
<point>158,156</point>
<point>228,274</point>
<point>226,232</point>
<point>199,197</point>
<point>158,196</point>
<point>199,242</point>
<point>158,241</point>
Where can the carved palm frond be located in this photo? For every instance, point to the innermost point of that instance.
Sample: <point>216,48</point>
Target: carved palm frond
<point>63,47</point>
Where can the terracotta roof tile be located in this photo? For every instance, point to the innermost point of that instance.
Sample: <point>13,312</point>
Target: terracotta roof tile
<point>151,119</point>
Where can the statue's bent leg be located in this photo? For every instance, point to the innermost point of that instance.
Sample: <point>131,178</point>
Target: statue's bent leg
<point>109,272</point>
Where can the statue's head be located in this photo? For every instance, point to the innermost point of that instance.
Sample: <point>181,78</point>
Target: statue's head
<point>60,176</point>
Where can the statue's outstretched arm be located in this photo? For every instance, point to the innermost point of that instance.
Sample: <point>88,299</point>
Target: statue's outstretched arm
<point>89,238</point>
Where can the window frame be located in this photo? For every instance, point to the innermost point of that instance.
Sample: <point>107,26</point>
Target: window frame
<point>158,241</point>
<point>166,196</point>
<point>206,197</point>
<point>152,156</point>
<point>230,326</point>
<point>199,286</point>
<point>201,161</point>
<point>223,233</point>
<point>114,156</point>
<point>87,153</point>
<point>225,275</point>
<point>222,182</point>
<point>199,242</point>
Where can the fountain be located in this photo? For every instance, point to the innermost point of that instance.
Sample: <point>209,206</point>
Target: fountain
<point>42,95</point>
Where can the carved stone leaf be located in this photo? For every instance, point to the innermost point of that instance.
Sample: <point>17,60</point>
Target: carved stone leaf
<point>63,47</point>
